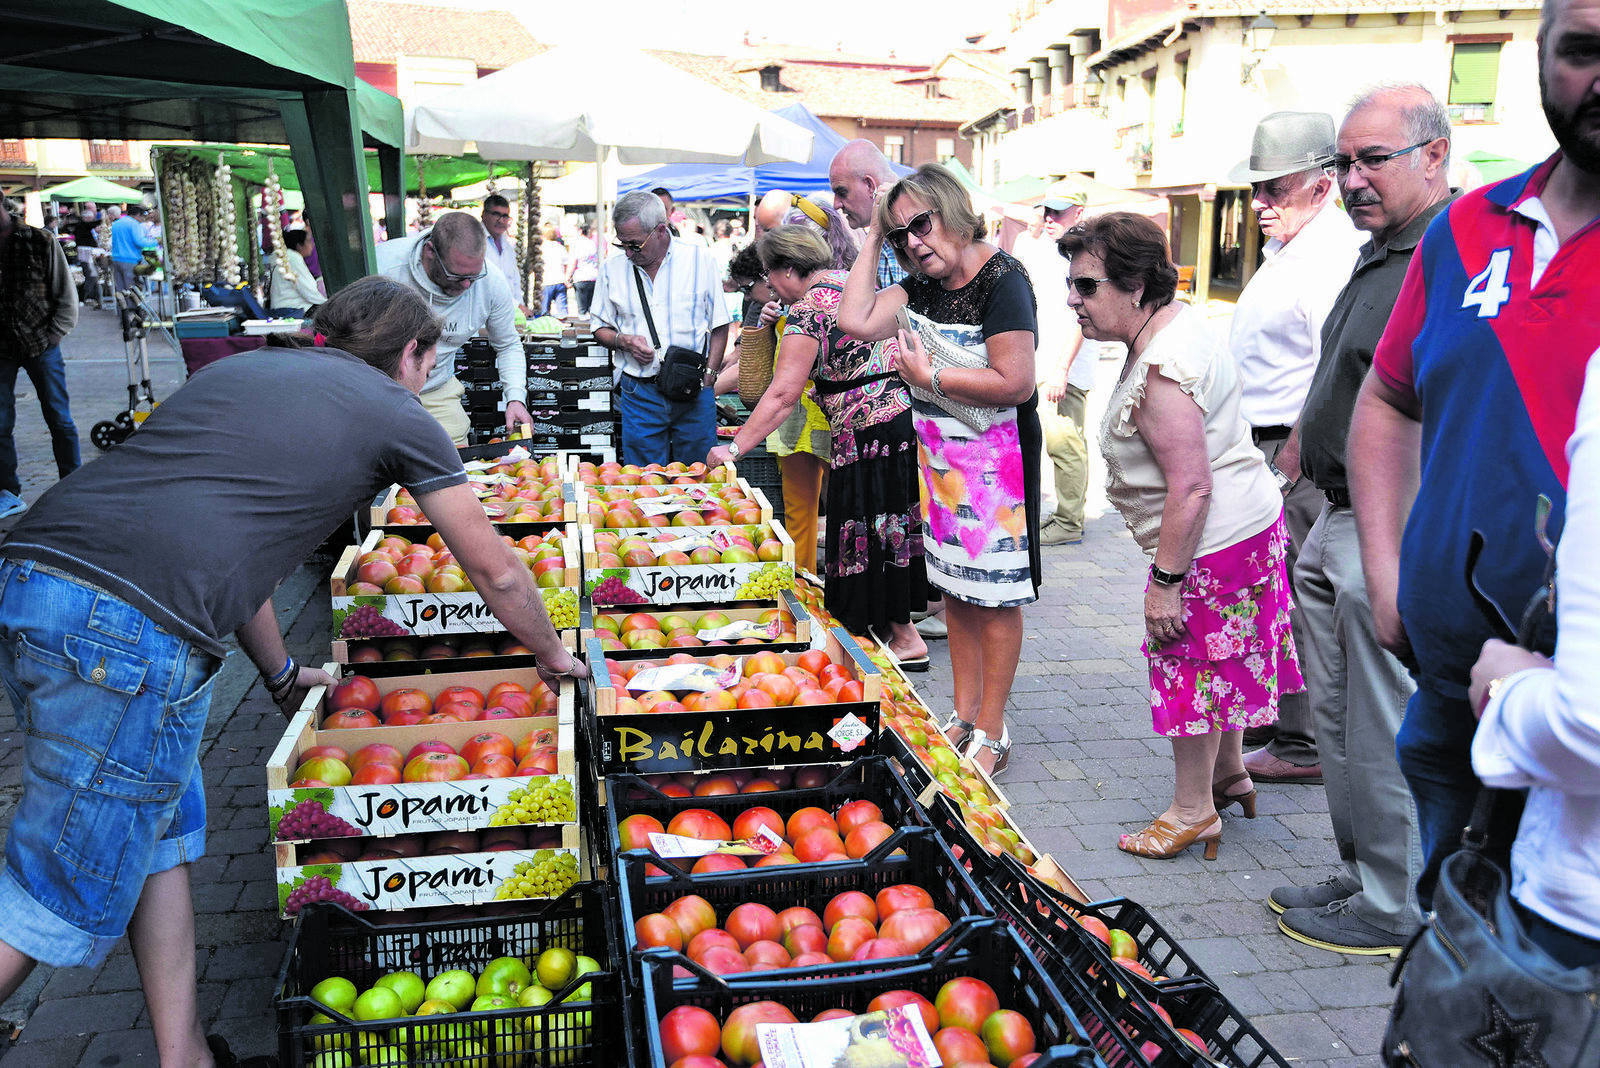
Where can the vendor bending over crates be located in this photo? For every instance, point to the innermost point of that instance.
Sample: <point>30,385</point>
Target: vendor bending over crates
<point>119,586</point>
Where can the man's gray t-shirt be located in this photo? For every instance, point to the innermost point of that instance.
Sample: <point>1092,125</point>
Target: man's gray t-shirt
<point>231,482</point>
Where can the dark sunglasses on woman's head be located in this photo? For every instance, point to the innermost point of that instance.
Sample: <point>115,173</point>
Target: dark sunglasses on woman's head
<point>918,226</point>
<point>1086,286</point>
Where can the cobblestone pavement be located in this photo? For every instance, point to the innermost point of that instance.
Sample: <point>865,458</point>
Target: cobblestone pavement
<point>1086,768</point>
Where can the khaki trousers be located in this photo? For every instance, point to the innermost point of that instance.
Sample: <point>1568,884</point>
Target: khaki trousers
<point>444,404</point>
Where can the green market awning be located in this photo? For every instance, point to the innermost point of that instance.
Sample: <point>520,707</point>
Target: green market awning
<point>441,174</point>
<point>96,189</point>
<point>271,71</point>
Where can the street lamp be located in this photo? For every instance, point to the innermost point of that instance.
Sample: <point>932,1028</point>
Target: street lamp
<point>1257,39</point>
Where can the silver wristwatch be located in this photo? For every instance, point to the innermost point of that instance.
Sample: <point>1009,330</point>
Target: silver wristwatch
<point>733,449</point>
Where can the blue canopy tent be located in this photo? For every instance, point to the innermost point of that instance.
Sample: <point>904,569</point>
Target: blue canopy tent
<point>716,181</point>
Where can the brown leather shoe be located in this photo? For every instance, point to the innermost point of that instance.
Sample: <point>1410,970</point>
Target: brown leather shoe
<point>1256,737</point>
<point>1264,767</point>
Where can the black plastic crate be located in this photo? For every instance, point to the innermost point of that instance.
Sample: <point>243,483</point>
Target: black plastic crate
<point>760,468</point>
<point>922,860</point>
<point>988,951</point>
<point>328,941</point>
<point>1047,921</point>
<point>869,778</point>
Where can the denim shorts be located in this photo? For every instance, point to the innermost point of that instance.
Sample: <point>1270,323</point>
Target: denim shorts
<point>112,710</point>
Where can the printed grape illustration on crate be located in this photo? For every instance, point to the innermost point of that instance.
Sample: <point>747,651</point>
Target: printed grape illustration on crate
<point>550,873</point>
<point>317,883</point>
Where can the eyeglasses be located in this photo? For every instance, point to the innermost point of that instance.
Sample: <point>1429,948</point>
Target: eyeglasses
<point>452,276</point>
<point>1086,286</point>
<point>497,214</point>
<point>920,224</point>
<point>637,246</point>
<point>748,286</point>
<point>1339,166</point>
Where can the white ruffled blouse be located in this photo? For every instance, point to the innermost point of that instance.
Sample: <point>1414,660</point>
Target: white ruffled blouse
<point>1244,497</point>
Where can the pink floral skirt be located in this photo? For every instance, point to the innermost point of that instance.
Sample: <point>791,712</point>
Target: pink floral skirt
<point>1237,656</point>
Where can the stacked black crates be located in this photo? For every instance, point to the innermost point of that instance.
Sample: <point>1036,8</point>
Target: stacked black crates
<point>570,395</point>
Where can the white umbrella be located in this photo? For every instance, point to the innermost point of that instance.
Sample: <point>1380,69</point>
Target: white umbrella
<point>572,104</point>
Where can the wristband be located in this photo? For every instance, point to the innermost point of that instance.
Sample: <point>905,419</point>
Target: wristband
<point>1167,578</point>
<point>284,678</point>
<point>935,383</point>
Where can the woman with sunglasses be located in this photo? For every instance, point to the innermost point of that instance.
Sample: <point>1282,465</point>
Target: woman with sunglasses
<point>1197,497</point>
<point>981,487</point>
<point>874,569</point>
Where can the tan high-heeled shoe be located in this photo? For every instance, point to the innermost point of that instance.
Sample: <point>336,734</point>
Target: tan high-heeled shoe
<point>1222,799</point>
<point>1163,841</point>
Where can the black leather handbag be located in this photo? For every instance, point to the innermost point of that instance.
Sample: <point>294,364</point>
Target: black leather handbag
<point>683,371</point>
<point>1474,988</point>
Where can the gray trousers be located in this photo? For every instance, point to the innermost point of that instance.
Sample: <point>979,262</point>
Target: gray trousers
<point>1069,455</point>
<point>1295,739</point>
<point>1358,697</point>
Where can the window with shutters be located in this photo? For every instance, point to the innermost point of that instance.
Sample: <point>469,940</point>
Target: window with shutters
<point>944,148</point>
<point>1474,73</point>
<point>894,146</point>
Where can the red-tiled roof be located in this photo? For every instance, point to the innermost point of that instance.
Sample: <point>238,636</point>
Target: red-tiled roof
<point>881,93</point>
<point>383,31</point>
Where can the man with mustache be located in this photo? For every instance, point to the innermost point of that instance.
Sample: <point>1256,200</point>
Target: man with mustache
<point>1464,420</point>
<point>1276,342</point>
<point>1391,162</point>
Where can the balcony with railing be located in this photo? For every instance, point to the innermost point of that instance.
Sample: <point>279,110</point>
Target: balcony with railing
<point>109,155</point>
<point>14,153</point>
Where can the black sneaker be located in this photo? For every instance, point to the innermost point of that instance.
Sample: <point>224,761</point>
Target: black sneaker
<point>1319,896</point>
<point>1339,930</point>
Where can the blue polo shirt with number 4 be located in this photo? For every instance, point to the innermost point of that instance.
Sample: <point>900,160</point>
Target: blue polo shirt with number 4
<point>1492,332</point>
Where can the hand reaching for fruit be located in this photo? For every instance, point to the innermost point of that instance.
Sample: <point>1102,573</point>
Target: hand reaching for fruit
<point>551,674</point>
<point>294,696</point>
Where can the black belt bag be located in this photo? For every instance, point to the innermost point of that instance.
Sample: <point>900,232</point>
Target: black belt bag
<point>683,371</point>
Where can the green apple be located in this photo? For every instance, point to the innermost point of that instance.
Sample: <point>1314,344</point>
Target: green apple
<point>336,1040</point>
<point>456,986</point>
<point>440,1032</point>
<point>491,1002</point>
<point>505,976</point>
<point>468,1050</point>
<point>336,992</point>
<point>386,1056</point>
<point>333,1059</point>
<point>408,986</point>
<point>379,1003</point>
<point>585,966</point>
<point>533,997</point>
<point>556,967</point>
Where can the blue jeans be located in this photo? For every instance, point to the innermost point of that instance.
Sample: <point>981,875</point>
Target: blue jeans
<point>49,377</point>
<point>656,430</point>
<point>1434,747</point>
<point>555,297</point>
<point>112,710</point>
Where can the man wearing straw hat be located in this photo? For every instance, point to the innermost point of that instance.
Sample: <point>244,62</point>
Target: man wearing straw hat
<point>1276,339</point>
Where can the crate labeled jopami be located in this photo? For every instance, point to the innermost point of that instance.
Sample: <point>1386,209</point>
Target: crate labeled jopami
<point>391,585</point>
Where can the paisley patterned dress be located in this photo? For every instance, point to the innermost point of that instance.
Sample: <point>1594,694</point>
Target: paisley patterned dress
<point>875,573</point>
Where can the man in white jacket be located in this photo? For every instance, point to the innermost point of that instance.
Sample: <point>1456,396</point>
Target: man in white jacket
<point>446,264</point>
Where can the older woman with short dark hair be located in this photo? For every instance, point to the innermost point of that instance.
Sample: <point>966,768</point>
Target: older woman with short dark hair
<point>981,486</point>
<point>1197,497</point>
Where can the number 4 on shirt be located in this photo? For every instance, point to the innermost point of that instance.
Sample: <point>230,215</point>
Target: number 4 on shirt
<point>1489,291</point>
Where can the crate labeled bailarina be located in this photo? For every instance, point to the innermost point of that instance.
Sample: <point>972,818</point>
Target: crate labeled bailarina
<point>730,711</point>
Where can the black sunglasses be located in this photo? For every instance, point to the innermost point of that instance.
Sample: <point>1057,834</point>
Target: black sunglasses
<point>1086,286</point>
<point>438,261</point>
<point>918,226</point>
<point>636,246</point>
